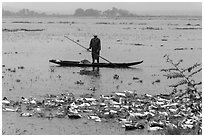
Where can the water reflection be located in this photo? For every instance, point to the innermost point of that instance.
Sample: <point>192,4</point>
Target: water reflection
<point>94,72</point>
<point>95,69</point>
<point>93,77</point>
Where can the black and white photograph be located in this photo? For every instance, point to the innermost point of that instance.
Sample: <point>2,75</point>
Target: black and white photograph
<point>101,68</point>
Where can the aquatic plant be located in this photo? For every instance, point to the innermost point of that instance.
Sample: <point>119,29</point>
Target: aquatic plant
<point>191,93</point>
<point>184,74</point>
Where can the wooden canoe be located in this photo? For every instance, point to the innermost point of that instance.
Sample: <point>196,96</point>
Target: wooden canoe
<point>79,64</point>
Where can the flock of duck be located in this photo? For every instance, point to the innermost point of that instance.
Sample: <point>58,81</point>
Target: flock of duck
<point>152,112</point>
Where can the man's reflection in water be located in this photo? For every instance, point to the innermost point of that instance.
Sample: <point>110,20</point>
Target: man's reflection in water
<point>94,72</point>
<point>95,69</point>
<point>92,78</point>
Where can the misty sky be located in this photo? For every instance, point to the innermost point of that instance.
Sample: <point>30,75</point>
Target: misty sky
<point>154,8</point>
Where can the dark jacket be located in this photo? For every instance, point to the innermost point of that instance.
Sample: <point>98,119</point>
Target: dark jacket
<point>95,45</point>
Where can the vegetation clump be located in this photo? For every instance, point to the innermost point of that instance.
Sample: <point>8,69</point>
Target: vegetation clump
<point>191,97</point>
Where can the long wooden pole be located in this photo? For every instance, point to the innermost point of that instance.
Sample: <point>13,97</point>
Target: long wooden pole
<point>89,50</point>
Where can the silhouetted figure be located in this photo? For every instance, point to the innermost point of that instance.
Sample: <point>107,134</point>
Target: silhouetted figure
<point>95,45</point>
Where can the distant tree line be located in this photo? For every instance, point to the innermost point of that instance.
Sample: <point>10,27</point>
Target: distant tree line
<point>28,13</point>
<point>114,12</point>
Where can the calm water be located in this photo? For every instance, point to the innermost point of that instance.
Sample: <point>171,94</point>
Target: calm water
<point>123,40</point>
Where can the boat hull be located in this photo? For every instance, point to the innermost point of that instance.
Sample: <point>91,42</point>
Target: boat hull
<point>79,64</point>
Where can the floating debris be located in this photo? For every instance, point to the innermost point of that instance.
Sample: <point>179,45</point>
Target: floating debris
<point>142,23</point>
<point>21,67</point>
<point>8,53</point>
<point>180,49</point>
<point>52,70</point>
<point>138,44</point>
<point>85,61</point>
<point>135,78</point>
<point>93,89</point>
<point>74,116</point>
<point>189,28</point>
<point>156,81</point>
<point>120,94</point>
<point>5,109</point>
<point>11,70</point>
<point>140,81</point>
<point>130,127</point>
<point>5,101</point>
<point>21,22</point>
<point>79,82</point>
<point>116,76</point>
<point>50,116</point>
<point>94,117</point>
<point>164,40</point>
<point>18,80</point>
<point>105,23</point>
<point>66,22</point>
<point>132,111</point>
<point>134,126</point>
<point>154,128</point>
<point>152,28</point>
<point>155,74</point>
<point>26,115</point>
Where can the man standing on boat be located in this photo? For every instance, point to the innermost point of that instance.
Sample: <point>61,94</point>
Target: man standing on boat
<point>95,45</point>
